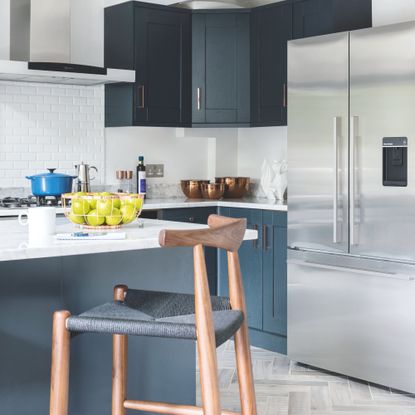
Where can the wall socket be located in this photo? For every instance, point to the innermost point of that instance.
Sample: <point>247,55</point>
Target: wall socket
<point>154,170</point>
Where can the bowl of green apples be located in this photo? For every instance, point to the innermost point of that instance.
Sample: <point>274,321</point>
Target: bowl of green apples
<point>102,210</point>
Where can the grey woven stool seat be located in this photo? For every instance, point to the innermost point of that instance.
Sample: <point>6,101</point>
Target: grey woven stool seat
<point>157,314</point>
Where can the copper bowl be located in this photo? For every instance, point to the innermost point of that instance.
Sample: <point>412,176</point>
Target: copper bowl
<point>235,187</point>
<point>191,188</point>
<point>213,191</point>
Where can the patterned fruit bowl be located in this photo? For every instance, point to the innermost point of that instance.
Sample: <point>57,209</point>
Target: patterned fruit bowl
<point>102,210</point>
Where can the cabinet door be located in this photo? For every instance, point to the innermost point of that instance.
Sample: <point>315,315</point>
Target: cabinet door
<point>162,63</point>
<point>272,28</point>
<point>250,257</point>
<point>313,18</point>
<point>275,272</point>
<point>197,215</point>
<point>320,17</point>
<point>221,68</point>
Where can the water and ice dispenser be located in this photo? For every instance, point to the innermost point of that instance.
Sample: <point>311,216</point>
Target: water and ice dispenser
<point>395,161</point>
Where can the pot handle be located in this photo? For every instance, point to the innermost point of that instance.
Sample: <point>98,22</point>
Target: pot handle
<point>51,170</point>
<point>96,171</point>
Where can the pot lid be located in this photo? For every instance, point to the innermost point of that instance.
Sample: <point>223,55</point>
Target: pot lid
<point>51,175</point>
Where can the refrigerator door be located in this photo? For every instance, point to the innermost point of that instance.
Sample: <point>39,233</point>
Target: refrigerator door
<point>353,316</point>
<point>318,142</point>
<point>382,102</point>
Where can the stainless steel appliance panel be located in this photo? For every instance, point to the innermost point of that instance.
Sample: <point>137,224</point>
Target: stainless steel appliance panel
<point>353,316</point>
<point>382,102</point>
<point>318,142</point>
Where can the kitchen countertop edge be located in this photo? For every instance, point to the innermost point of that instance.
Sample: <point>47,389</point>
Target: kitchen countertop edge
<point>177,203</point>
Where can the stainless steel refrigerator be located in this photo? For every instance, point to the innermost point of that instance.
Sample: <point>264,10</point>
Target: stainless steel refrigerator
<point>351,203</point>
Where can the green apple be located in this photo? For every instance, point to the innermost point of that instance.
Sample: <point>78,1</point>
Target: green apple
<point>137,202</point>
<point>105,194</point>
<point>94,219</point>
<point>104,207</point>
<point>117,203</point>
<point>93,200</point>
<point>78,219</point>
<point>77,194</point>
<point>128,213</point>
<point>80,206</point>
<point>115,218</point>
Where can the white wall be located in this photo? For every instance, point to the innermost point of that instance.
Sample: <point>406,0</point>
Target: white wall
<point>257,144</point>
<point>44,126</point>
<point>392,11</point>
<point>185,153</point>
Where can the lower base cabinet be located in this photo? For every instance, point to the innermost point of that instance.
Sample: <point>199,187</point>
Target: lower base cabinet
<point>264,271</point>
<point>263,266</point>
<point>197,215</point>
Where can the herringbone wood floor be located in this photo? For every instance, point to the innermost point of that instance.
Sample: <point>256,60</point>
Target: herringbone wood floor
<point>286,388</point>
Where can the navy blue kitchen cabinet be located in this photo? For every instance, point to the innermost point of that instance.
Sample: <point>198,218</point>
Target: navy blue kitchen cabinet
<point>155,41</point>
<point>271,29</point>
<point>264,270</point>
<point>197,215</point>
<point>274,272</point>
<point>250,257</point>
<point>320,17</point>
<point>221,68</point>
<point>207,68</point>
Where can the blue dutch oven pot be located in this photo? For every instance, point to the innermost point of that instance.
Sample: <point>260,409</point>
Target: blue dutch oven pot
<point>51,184</point>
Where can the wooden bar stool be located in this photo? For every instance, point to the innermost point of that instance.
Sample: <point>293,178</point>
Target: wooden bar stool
<point>208,320</point>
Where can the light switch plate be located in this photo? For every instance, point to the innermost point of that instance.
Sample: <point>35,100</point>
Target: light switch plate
<point>154,170</point>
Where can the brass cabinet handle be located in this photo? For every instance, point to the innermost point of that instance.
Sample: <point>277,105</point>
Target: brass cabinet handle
<point>284,95</point>
<point>199,96</point>
<point>264,237</point>
<point>141,93</point>
<point>255,241</point>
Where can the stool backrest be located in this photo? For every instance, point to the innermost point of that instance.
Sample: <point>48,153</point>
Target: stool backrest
<point>225,233</point>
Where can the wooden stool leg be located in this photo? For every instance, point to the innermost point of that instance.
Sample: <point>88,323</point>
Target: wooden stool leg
<point>119,362</point>
<point>206,344</point>
<point>59,386</point>
<point>242,349</point>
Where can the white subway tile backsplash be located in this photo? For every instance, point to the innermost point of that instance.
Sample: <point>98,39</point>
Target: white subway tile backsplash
<point>45,126</point>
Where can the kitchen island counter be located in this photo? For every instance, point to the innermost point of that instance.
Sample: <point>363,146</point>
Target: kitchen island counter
<point>14,241</point>
<point>76,276</point>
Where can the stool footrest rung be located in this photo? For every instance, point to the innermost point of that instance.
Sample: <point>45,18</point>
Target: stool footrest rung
<point>168,408</point>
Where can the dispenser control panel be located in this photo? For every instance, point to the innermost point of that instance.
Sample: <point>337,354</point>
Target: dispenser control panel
<point>395,161</point>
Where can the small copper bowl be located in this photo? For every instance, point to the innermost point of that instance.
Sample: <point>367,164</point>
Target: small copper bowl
<point>213,191</point>
<point>235,187</point>
<point>191,188</point>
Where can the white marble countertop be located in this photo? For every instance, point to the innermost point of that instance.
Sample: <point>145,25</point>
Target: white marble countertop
<point>14,243</point>
<point>175,203</point>
<point>248,203</point>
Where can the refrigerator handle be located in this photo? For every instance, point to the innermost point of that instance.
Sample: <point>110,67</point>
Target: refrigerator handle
<point>336,130</point>
<point>353,128</point>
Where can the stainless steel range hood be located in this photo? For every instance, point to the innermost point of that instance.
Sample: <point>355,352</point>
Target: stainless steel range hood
<point>40,46</point>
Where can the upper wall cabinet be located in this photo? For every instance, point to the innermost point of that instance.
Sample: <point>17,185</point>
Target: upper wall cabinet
<point>212,67</point>
<point>156,42</point>
<point>272,26</point>
<point>221,68</point>
<point>271,29</point>
<point>320,17</point>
